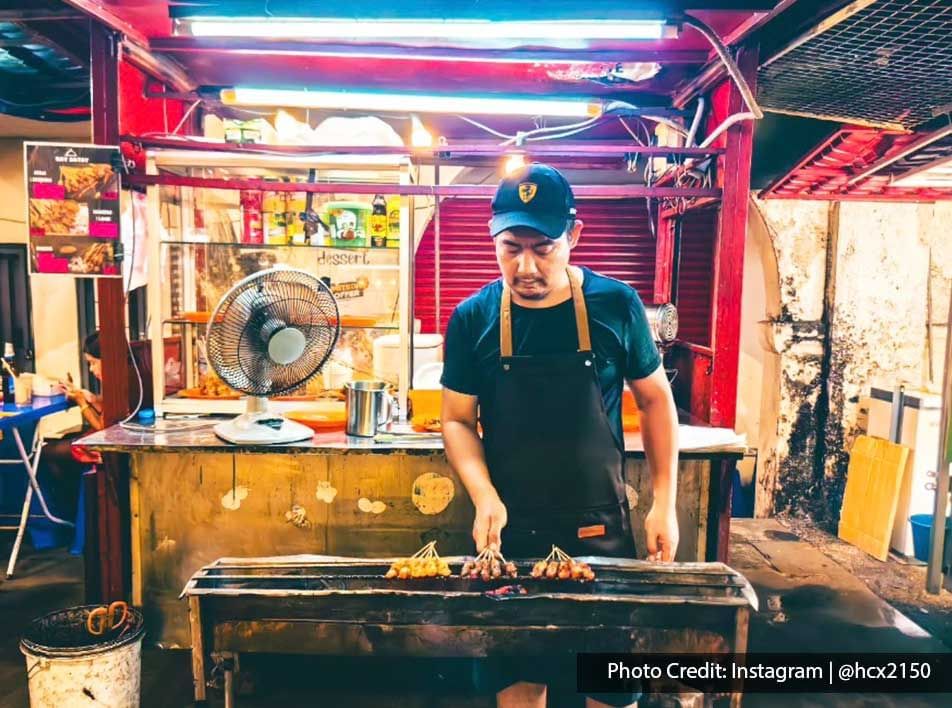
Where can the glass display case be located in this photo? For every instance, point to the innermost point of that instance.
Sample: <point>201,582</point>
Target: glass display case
<point>206,235</point>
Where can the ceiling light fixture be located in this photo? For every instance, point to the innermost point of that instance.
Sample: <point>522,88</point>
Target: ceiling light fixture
<point>317,29</point>
<point>408,102</point>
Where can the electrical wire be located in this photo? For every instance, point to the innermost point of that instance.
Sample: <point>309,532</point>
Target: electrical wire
<point>630,131</point>
<point>125,304</point>
<point>185,117</point>
<point>554,131</point>
<point>487,128</point>
<point>668,122</point>
<point>729,64</point>
<point>725,124</point>
<point>555,136</point>
<point>696,123</point>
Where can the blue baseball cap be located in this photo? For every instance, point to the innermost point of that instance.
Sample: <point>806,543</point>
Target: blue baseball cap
<point>536,196</point>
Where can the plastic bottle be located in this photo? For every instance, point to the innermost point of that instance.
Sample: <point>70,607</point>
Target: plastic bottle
<point>252,230</point>
<point>9,374</point>
<point>378,222</point>
<point>393,222</point>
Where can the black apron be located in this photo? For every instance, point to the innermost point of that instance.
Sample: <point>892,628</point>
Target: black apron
<point>550,449</point>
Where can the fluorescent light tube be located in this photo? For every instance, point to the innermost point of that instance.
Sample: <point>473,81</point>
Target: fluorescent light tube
<point>407,103</point>
<point>451,30</point>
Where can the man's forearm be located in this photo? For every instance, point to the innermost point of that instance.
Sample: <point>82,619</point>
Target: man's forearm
<point>464,450</point>
<point>659,432</point>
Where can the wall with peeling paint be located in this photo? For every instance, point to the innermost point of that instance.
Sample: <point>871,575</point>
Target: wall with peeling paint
<point>883,282</point>
<point>853,283</point>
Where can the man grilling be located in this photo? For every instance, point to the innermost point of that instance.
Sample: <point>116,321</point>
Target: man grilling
<point>539,357</point>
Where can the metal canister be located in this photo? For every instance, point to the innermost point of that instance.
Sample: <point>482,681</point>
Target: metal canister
<point>368,407</point>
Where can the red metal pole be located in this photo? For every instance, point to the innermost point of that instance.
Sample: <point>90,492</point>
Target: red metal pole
<point>104,63</point>
<point>664,258</point>
<point>729,252</point>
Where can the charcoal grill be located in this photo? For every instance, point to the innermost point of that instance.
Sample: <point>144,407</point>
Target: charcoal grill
<point>345,607</point>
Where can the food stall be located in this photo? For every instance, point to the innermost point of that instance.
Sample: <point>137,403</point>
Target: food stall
<point>174,497</point>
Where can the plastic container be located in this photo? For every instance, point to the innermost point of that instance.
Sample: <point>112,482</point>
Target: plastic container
<point>274,215</point>
<point>67,666</point>
<point>630,415</point>
<point>427,349</point>
<point>348,223</point>
<point>297,206</point>
<point>393,222</point>
<point>922,535</point>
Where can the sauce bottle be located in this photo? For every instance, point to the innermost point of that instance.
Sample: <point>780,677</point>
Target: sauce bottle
<point>9,374</point>
<point>378,222</point>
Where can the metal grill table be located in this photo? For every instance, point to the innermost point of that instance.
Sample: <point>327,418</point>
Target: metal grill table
<point>345,607</point>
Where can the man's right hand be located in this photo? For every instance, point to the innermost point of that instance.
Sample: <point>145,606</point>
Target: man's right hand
<point>491,519</point>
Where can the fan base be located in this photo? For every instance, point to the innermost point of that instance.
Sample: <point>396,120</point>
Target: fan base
<point>247,430</point>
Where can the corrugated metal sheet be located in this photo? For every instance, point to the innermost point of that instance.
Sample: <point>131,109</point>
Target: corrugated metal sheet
<point>616,241</point>
<point>695,284</point>
<point>826,173</point>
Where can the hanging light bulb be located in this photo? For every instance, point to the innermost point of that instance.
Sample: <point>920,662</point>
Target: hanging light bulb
<point>514,162</point>
<point>419,136</point>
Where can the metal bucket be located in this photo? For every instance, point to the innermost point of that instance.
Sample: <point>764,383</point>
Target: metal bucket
<point>66,666</point>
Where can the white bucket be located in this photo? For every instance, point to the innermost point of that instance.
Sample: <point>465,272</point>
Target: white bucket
<point>65,670</point>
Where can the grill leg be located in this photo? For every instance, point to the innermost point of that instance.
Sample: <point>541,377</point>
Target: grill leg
<point>198,648</point>
<point>740,649</point>
<point>229,687</point>
<point>230,666</point>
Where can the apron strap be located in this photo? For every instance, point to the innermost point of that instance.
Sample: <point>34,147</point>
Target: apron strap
<point>581,311</point>
<point>505,322</point>
<point>581,315</point>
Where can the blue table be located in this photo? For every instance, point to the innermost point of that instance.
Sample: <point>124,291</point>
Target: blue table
<point>32,412</point>
<point>12,418</point>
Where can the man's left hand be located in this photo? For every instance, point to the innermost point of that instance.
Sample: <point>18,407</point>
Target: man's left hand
<point>661,529</point>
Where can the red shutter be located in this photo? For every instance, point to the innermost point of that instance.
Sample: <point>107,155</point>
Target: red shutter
<point>616,241</point>
<point>696,276</point>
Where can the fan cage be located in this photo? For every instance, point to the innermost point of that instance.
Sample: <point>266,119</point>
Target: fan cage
<point>663,320</point>
<point>256,308</point>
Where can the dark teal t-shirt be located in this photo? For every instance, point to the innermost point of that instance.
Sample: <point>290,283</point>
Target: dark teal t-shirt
<point>621,339</point>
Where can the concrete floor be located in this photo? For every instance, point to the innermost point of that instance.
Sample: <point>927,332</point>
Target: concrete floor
<point>809,602</point>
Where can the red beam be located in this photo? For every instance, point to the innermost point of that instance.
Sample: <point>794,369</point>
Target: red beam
<point>451,190</point>
<point>104,71</point>
<point>729,252</point>
<point>107,18</point>
<point>158,67</point>
<point>600,148</point>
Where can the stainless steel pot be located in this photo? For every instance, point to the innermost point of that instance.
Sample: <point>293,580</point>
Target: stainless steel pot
<point>368,406</point>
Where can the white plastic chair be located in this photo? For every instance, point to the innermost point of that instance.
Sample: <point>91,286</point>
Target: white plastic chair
<point>30,461</point>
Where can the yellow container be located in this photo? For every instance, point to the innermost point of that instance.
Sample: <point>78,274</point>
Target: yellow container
<point>297,205</point>
<point>630,415</point>
<point>425,409</point>
<point>393,222</point>
<point>274,208</point>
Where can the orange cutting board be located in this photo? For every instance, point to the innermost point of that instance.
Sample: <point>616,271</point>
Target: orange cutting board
<point>873,481</point>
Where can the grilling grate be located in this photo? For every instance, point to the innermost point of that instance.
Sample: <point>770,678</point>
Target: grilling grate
<point>888,65</point>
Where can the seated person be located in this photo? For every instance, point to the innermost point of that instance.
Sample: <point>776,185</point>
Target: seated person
<point>61,470</point>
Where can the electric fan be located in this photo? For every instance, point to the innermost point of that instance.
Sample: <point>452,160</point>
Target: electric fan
<point>269,334</point>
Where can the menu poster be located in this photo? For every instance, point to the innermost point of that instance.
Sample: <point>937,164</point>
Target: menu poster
<point>73,210</point>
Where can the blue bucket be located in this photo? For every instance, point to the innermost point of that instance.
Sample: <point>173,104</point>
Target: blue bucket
<point>922,535</point>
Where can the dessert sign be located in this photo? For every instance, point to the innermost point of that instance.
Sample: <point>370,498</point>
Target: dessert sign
<point>73,208</point>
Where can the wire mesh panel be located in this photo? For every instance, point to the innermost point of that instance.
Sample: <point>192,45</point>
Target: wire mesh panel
<point>889,64</point>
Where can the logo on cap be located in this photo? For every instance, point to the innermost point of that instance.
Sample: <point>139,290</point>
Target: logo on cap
<point>527,191</point>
